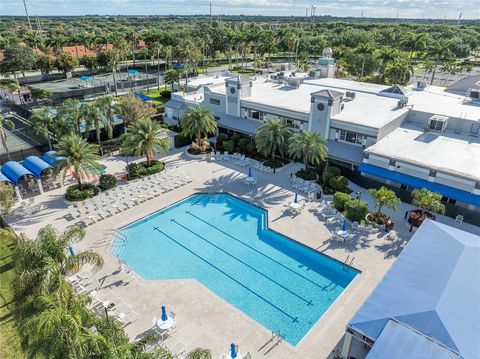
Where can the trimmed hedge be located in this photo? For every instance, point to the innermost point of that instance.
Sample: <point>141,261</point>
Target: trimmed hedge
<point>229,145</point>
<point>107,181</point>
<point>338,183</point>
<point>340,199</point>
<point>74,194</point>
<point>140,169</point>
<point>356,210</point>
<point>309,175</point>
<point>273,163</point>
<point>166,94</point>
<point>181,140</point>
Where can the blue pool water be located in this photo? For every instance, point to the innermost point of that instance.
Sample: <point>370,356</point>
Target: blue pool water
<point>224,243</point>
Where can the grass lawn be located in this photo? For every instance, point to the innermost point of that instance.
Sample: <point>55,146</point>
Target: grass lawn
<point>9,338</point>
<point>157,99</point>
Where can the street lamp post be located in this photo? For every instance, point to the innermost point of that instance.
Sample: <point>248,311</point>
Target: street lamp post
<point>359,195</point>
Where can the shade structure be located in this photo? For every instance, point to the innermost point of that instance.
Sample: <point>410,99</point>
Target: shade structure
<point>142,97</point>
<point>35,165</point>
<point>416,182</point>
<point>4,178</point>
<point>249,171</point>
<point>295,199</point>
<point>432,288</point>
<point>14,171</point>
<point>50,157</point>
<point>164,313</point>
<point>233,350</point>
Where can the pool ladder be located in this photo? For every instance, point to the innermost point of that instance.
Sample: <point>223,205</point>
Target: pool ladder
<point>346,263</point>
<point>115,234</point>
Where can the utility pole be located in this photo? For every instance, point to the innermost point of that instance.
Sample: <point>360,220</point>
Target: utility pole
<point>211,17</point>
<point>459,18</point>
<point>306,14</point>
<point>361,16</point>
<point>28,17</point>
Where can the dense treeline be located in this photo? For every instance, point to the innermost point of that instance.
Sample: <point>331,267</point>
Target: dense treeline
<point>372,50</point>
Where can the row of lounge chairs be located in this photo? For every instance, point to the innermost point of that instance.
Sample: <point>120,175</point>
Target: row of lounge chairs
<point>306,187</point>
<point>121,198</point>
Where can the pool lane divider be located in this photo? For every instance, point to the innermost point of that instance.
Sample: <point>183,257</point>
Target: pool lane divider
<point>309,302</point>
<point>294,319</point>
<point>323,288</point>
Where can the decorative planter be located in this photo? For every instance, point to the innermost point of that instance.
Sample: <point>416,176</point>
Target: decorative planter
<point>415,217</point>
<point>199,156</point>
<point>280,169</point>
<point>374,223</point>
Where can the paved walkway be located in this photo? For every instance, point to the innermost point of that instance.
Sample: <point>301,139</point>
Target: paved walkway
<point>203,318</point>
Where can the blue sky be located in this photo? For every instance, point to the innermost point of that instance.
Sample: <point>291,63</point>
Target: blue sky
<point>372,8</point>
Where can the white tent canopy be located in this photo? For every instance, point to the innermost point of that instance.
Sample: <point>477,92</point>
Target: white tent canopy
<point>433,288</point>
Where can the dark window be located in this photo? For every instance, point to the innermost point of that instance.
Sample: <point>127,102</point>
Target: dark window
<point>475,128</point>
<point>320,107</point>
<point>215,101</point>
<point>232,90</point>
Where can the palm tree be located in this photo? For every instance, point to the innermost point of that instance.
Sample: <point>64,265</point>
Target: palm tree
<point>364,50</point>
<point>42,263</point>
<point>5,122</point>
<point>439,51</point>
<point>414,42</point>
<point>107,106</point>
<point>41,123</point>
<point>79,155</point>
<point>94,118</point>
<point>272,137</point>
<point>170,77</point>
<point>428,201</point>
<point>384,197</point>
<point>398,72</point>
<point>310,146</point>
<point>71,110</point>
<point>198,122</point>
<point>145,137</point>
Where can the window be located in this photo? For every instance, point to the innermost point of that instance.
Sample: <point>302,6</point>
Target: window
<point>475,128</point>
<point>215,101</point>
<point>320,107</point>
<point>351,137</point>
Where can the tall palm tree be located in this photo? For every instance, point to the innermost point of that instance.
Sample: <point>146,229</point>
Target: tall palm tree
<point>398,72</point>
<point>428,201</point>
<point>107,106</point>
<point>413,42</point>
<point>272,137</point>
<point>71,110</point>
<point>145,137</point>
<point>439,51</point>
<point>309,146</point>
<point>79,155</point>
<point>94,118</point>
<point>170,77</point>
<point>5,122</point>
<point>43,262</point>
<point>364,50</point>
<point>198,122</point>
<point>41,123</point>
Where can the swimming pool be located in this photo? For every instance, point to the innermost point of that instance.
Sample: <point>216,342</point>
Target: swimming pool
<point>225,244</point>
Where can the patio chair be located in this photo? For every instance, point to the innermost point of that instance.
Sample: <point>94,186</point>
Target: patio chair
<point>459,219</point>
<point>33,187</point>
<point>172,314</point>
<point>247,355</point>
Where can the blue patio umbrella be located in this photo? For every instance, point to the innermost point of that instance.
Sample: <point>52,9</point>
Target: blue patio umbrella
<point>344,225</point>
<point>164,313</point>
<point>249,171</point>
<point>295,200</point>
<point>233,350</point>
<point>71,250</point>
<point>133,72</point>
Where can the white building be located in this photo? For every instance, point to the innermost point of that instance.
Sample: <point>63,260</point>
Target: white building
<point>413,137</point>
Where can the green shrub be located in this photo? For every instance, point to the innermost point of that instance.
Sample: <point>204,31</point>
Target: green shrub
<point>338,183</point>
<point>330,173</point>
<point>229,145</point>
<point>273,163</point>
<point>251,149</point>
<point>340,199</point>
<point>166,94</point>
<point>137,170</point>
<point>243,143</point>
<point>221,139</point>
<point>356,210</point>
<point>309,175</point>
<point>181,140</point>
<point>74,194</point>
<point>107,181</point>
<point>236,138</point>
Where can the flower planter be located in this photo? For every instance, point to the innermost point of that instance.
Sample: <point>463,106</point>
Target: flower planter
<point>370,219</point>
<point>415,217</point>
<point>199,156</point>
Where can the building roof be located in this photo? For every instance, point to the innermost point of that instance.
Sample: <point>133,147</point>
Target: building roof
<point>397,341</point>
<point>174,104</point>
<point>78,51</point>
<point>464,84</point>
<point>345,152</point>
<point>447,151</point>
<point>241,125</point>
<point>432,288</point>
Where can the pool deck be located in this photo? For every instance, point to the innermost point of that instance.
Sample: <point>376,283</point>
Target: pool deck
<point>203,318</point>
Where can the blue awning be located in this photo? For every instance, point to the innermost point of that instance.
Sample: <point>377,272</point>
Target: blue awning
<point>143,97</point>
<point>50,157</point>
<point>86,78</point>
<point>35,165</point>
<point>415,182</point>
<point>4,178</point>
<point>14,171</point>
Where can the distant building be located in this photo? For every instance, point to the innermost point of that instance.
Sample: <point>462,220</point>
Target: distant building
<point>410,137</point>
<point>78,51</point>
